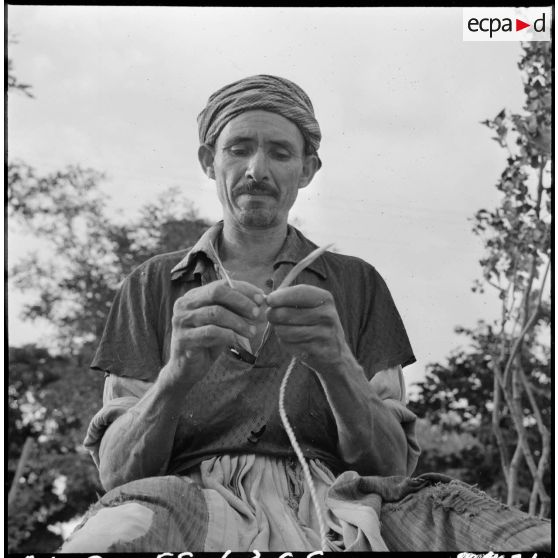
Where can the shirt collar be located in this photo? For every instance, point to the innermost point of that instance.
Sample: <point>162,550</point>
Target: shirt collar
<point>193,263</point>
<point>295,247</point>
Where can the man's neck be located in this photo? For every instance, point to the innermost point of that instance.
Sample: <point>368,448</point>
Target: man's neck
<point>251,247</point>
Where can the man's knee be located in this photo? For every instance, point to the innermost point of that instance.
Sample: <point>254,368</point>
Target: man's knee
<point>110,528</point>
<point>143,515</point>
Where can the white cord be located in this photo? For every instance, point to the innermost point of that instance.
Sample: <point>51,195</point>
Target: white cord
<point>300,455</point>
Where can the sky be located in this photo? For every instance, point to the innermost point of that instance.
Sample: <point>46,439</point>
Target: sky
<point>398,94</point>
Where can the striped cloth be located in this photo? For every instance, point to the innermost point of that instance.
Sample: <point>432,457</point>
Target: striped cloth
<point>238,503</point>
<point>248,502</point>
<point>260,92</point>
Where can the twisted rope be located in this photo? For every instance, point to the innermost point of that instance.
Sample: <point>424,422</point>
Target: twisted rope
<point>300,455</point>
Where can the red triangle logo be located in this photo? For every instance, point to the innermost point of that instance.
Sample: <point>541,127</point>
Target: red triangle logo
<point>519,25</point>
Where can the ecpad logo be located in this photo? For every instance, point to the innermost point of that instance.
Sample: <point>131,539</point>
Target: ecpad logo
<point>494,24</point>
<point>507,24</point>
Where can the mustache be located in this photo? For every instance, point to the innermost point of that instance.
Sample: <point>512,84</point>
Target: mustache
<point>256,188</point>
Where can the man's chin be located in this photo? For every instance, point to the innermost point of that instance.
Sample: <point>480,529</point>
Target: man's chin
<point>258,218</point>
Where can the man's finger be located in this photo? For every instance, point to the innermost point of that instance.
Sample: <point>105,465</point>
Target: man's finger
<point>215,315</point>
<point>299,296</point>
<point>244,299</point>
<point>251,291</point>
<point>300,335</point>
<point>286,315</point>
<point>208,336</point>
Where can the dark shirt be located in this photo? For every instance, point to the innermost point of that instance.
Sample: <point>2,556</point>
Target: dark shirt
<point>233,409</point>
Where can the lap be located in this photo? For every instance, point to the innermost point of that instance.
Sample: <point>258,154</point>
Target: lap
<point>171,513</point>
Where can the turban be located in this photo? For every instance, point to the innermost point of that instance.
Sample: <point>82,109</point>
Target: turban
<point>262,92</point>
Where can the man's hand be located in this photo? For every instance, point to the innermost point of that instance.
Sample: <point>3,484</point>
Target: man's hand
<point>370,435</point>
<point>205,320</point>
<point>308,325</point>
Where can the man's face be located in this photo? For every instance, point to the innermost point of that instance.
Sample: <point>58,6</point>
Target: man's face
<point>259,165</point>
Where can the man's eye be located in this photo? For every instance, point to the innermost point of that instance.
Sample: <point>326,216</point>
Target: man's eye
<point>281,154</point>
<point>238,151</point>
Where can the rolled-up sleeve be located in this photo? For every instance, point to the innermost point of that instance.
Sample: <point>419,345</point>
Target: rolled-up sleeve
<point>389,386</point>
<point>119,396</point>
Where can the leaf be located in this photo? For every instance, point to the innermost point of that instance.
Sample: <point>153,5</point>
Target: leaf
<point>500,116</point>
<point>305,262</point>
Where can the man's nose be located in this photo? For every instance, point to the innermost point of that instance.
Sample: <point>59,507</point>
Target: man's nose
<point>257,166</point>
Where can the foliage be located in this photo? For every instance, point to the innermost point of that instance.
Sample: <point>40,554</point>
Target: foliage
<point>498,387</point>
<point>88,253</point>
<point>455,400</point>
<point>74,278</point>
<point>458,453</point>
<point>49,400</point>
<point>11,79</point>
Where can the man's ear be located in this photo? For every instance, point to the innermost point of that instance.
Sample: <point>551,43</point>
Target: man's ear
<point>310,167</point>
<point>206,156</point>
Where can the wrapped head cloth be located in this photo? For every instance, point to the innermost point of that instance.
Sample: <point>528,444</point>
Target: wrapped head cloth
<point>261,92</point>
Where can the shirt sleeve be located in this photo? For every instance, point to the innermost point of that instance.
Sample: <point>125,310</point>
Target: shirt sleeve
<point>119,395</point>
<point>130,344</point>
<point>389,386</point>
<point>382,340</point>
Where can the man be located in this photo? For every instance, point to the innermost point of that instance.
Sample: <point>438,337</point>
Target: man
<point>189,442</point>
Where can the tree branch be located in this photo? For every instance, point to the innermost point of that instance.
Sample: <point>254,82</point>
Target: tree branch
<point>540,186</point>
<point>497,430</point>
<point>517,417</point>
<point>513,473</point>
<point>526,328</point>
<point>545,453</point>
